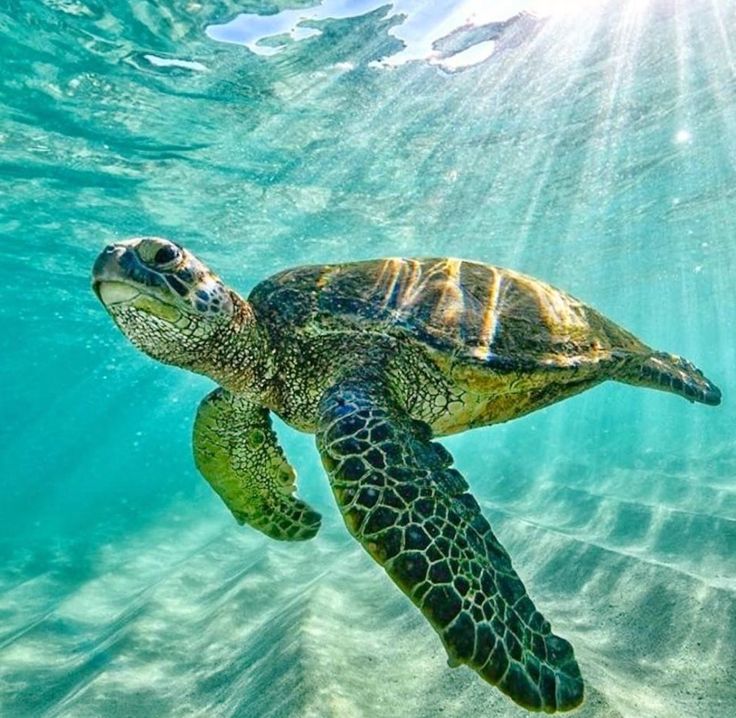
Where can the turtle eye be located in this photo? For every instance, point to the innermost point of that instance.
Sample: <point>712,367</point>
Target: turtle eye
<point>166,254</point>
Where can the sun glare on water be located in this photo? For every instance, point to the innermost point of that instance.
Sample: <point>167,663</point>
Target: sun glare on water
<point>421,26</point>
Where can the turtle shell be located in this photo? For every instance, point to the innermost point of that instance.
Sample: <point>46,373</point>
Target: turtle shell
<point>477,313</point>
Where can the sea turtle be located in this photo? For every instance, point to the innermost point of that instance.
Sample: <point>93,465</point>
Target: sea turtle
<point>377,358</point>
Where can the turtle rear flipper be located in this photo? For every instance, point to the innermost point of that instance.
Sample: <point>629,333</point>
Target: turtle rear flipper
<point>412,513</point>
<point>671,373</point>
<point>238,453</point>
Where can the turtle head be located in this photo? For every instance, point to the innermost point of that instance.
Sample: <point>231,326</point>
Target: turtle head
<point>167,302</point>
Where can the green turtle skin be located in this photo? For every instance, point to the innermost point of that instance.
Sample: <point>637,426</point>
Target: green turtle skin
<point>236,449</point>
<point>377,359</point>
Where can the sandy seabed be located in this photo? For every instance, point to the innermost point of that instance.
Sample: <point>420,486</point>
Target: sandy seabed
<point>197,617</point>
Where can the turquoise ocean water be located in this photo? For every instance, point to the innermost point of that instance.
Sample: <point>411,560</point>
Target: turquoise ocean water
<point>593,146</point>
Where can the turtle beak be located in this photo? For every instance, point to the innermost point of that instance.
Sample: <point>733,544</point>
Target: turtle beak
<point>101,268</point>
<point>107,272</point>
<point>107,263</point>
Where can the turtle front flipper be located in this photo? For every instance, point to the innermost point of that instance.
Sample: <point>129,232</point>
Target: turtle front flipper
<point>237,451</point>
<point>412,513</point>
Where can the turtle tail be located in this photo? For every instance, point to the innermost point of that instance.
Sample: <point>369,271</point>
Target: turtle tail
<point>668,372</point>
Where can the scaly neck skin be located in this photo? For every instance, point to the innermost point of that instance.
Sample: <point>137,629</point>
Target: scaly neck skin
<point>240,359</point>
